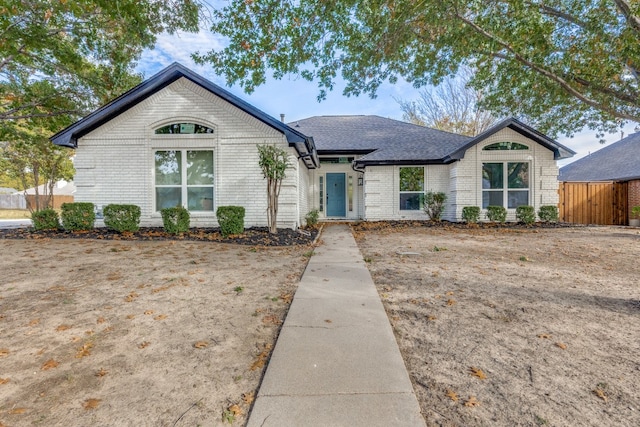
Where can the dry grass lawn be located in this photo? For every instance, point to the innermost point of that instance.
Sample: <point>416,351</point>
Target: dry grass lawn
<point>515,327</point>
<point>115,333</point>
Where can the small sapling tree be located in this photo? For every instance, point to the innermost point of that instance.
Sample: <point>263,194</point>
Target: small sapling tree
<point>273,162</point>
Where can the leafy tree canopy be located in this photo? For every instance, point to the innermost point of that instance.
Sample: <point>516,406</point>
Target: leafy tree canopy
<point>559,64</point>
<point>63,58</point>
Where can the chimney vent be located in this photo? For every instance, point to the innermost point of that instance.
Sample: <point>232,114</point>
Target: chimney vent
<point>282,117</point>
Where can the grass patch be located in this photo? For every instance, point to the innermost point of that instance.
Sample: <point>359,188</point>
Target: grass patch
<point>15,214</point>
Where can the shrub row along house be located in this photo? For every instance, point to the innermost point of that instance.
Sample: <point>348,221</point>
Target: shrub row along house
<point>178,139</point>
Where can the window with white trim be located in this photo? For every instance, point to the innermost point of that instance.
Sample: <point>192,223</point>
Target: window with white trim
<point>505,184</point>
<point>184,178</point>
<point>411,188</point>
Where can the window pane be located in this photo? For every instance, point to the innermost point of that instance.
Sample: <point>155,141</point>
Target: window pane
<point>199,167</point>
<point>518,174</point>
<point>411,201</point>
<point>492,176</point>
<point>200,199</point>
<point>492,198</point>
<point>168,197</point>
<point>168,168</point>
<point>506,146</point>
<point>518,198</point>
<point>412,179</point>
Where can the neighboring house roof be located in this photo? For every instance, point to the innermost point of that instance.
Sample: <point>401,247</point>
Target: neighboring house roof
<point>386,141</point>
<point>7,190</point>
<point>61,188</point>
<point>69,136</point>
<point>619,161</point>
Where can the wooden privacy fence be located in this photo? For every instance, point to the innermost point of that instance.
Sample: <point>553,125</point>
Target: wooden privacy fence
<point>603,203</point>
<point>56,201</point>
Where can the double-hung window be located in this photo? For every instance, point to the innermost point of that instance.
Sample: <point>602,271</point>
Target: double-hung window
<point>505,184</point>
<point>184,178</point>
<point>411,188</point>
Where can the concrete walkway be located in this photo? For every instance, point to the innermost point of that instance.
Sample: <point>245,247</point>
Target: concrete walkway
<point>336,362</point>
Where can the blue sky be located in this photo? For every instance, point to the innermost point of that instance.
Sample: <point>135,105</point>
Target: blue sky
<point>296,98</point>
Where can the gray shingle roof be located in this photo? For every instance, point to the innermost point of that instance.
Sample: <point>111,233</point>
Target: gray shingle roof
<point>388,141</point>
<point>619,161</point>
<point>383,140</point>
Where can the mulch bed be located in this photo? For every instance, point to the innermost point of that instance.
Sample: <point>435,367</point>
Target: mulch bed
<point>381,225</point>
<point>258,236</point>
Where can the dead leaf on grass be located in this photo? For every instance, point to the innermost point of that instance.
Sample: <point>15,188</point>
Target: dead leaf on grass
<point>17,411</point>
<point>4,380</point>
<point>328,321</point>
<point>235,410</point>
<point>91,404</point>
<point>85,350</point>
<point>149,312</point>
<point>248,398</point>
<point>114,276</point>
<point>34,322</point>
<point>449,293</point>
<point>131,316</point>
<point>89,332</point>
<point>102,372</point>
<point>561,345</point>
<point>477,372</point>
<point>62,328</point>
<point>100,320</point>
<point>600,393</point>
<point>431,318</point>
<point>271,319</point>
<point>452,395</point>
<point>131,297</point>
<point>261,358</point>
<point>143,344</point>
<point>4,352</point>
<point>75,339</point>
<point>201,344</point>
<point>544,336</point>
<point>472,402</point>
<point>286,298</point>
<point>451,302</point>
<point>50,364</point>
<point>160,317</point>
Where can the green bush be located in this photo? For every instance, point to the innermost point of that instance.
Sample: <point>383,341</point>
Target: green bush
<point>122,218</point>
<point>175,220</point>
<point>46,219</point>
<point>526,214</point>
<point>78,216</point>
<point>434,204</point>
<point>496,213</point>
<point>471,214</point>
<point>548,213</point>
<point>312,218</point>
<point>231,219</point>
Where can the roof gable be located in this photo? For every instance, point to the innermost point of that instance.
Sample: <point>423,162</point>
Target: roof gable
<point>69,136</point>
<point>559,150</point>
<point>619,161</point>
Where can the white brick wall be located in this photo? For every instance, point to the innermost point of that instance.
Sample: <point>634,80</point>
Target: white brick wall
<point>114,163</point>
<point>466,174</point>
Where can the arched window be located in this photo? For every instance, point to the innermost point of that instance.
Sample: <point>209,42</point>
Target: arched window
<point>505,146</point>
<point>183,128</point>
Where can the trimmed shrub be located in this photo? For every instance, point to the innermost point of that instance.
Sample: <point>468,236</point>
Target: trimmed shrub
<point>496,213</point>
<point>78,216</point>
<point>46,219</point>
<point>122,218</point>
<point>526,214</point>
<point>175,220</point>
<point>548,213</point>
<point>434,204</point>
<point>231,219</point>
<point>312,218</point>
<point>471,214</point>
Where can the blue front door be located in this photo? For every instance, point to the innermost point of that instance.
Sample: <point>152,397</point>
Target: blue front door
<point>336,205</point>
